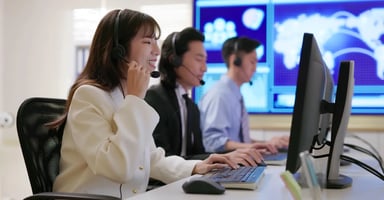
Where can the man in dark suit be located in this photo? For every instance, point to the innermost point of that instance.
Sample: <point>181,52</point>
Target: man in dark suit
<point>182,65</point>
<point>167,134</point>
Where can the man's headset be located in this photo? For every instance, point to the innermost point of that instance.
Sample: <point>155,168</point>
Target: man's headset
<point>177,61</point>
<point>118,50</point>
<point>237,62</point>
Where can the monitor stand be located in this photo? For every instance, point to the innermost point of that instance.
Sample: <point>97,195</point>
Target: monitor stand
<point>342,182</point>
<point>303,182</point>
<point>321,166</point>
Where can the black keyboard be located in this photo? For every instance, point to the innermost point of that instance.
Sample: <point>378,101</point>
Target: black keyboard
<point>241,178</point>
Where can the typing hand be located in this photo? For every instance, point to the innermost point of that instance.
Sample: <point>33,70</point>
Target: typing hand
<point>214,161</point>
<point>246,156</point>
<point>280,141</point>
<point>137,79</point>
<point>264,147</point>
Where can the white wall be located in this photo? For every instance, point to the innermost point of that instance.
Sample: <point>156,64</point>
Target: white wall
<point>37,58</point>
<point>1,60</point>
<point>37,54</point>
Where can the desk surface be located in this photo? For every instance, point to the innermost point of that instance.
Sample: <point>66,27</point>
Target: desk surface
<point>364,186</point>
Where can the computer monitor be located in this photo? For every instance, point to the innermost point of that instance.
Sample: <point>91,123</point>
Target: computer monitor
<point>341,112</point>
<point>313,110</point>
<point>310,121</point>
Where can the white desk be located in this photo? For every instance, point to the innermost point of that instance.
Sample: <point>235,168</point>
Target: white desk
<point>364,186</point>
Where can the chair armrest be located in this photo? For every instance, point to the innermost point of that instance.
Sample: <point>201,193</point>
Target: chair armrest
<point>63,195</point>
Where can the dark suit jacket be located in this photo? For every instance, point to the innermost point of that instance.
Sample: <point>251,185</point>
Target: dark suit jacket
<point>167,133</point>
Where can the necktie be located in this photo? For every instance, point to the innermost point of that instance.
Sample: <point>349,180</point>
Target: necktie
<point>244,128</point>
<point>188,134</point>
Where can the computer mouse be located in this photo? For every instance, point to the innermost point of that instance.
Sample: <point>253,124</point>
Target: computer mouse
<point>202,185</point>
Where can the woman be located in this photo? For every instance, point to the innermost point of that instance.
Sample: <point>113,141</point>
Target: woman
<point>107,145</point>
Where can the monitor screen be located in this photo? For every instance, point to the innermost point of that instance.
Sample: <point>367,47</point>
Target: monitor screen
<point>345,30</point>
<point>314,85</point>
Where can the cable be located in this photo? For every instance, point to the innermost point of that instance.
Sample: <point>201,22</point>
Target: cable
<point>376,154</point>
<point>321,146</point>
<point>321,156</point>
<point>366,151</point>
<point>368,144</point>
<point>363,165</point>
<point>121,194</point>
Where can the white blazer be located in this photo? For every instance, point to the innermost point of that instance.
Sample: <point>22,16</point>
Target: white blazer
<point>108,146</point>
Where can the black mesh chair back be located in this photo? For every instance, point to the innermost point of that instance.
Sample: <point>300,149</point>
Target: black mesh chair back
<point>41,146</point>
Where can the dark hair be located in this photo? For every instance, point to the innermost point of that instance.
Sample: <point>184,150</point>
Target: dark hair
<point>237,45</point>
<point>175,46</point>
<point>102,69</point>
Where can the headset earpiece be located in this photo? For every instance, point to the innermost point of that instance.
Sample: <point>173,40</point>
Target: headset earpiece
<point>237,61</point>
<point>118,50</point>
<point>174,59</point>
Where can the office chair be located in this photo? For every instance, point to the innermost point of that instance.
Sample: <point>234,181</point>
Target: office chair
<point>41,146</point>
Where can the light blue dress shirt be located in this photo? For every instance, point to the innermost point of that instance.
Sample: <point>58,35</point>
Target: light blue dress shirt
<point>220,114</point>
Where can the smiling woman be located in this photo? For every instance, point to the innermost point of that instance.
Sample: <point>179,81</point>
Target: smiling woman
<point>107,124</point>
<point>85,22</point>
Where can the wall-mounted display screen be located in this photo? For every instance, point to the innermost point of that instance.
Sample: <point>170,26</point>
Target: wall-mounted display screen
<point>345,30</point>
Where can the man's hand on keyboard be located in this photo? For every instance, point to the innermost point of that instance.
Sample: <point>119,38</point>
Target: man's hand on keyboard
<point>214,161</point>
<point>264,147</point>
<point>279,141</point>
<point>245,156</point>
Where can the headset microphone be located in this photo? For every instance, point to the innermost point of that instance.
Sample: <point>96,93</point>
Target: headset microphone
<point>202,82</point>
<point>154,74</point>
<point>242,69</point>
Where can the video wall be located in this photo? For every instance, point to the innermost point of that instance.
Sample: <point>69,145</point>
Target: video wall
<point>344,30</point>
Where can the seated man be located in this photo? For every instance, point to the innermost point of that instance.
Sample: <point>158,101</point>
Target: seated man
<point>224,119</point>
<point>182,65</point>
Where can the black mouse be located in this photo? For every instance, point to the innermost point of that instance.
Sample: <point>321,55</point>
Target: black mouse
<point>202,185</point>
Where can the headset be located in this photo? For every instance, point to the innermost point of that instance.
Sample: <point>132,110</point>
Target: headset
<point>237,62</point>
<point>118,50</point>
<point>175,59</point>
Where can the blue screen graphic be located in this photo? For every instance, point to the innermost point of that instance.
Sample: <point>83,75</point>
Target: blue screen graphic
<point>344,30</point>
<point>220,23</point>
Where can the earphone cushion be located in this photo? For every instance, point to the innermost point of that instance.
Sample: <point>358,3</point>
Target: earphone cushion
<point>237,61</point>
<point>118,52</point>
<point>175,60</point>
